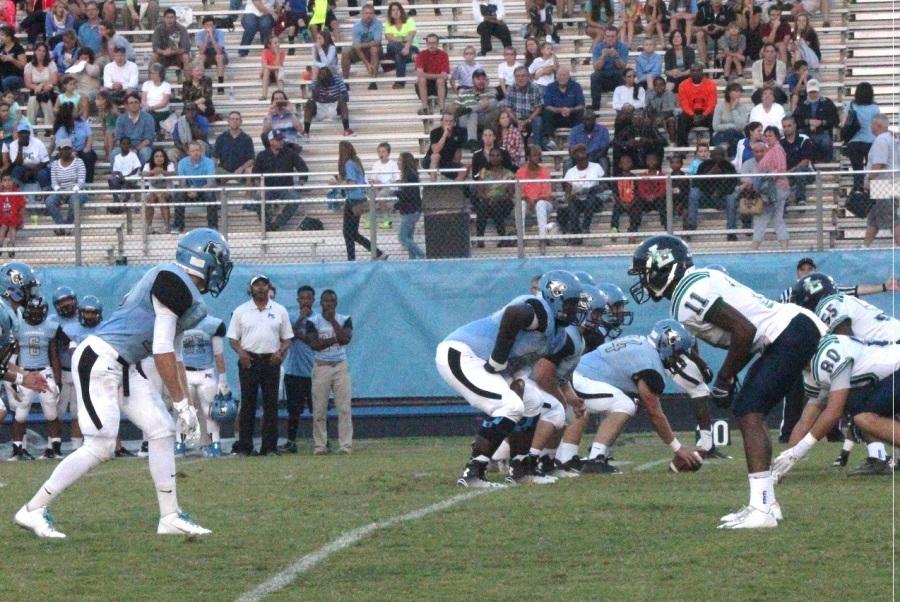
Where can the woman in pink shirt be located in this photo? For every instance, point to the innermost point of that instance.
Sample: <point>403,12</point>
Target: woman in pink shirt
<point>774,190</point>
<point>536,195</point>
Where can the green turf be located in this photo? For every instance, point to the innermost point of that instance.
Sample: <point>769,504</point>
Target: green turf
<point>646,535</point>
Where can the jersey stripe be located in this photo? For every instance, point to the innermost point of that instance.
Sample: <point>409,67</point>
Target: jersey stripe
<point>683,287</point>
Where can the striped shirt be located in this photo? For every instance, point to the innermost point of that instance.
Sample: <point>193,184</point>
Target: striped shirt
<point>333,91</point>
<point>67,177</point>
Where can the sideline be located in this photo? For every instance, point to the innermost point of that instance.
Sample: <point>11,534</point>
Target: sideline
<point>308,562</point>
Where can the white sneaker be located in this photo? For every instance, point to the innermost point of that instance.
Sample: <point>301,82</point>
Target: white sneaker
<point>752,518</point>
<point>775,510</point>
<point>179,523</point>
<point>39,522</point>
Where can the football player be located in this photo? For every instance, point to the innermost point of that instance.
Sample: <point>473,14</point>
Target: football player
<point>35,338</point>
<point>727,314</point>
<point>847,374</point>
<point>65,305</point>
<point>478,360</point>
<point>151,319</point>
<point>204,361</point>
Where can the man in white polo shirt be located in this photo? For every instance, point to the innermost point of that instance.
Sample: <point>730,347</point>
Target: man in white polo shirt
<point>260,333</point>
<point>330,333</point>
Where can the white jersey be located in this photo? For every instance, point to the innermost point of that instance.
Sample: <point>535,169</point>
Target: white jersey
<point>867,321</point>
<point>843,362</point>
<point>702,289</point>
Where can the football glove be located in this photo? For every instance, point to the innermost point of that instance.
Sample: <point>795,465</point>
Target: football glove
<point>188,424</point>
<point>784,463</point>
<point>224,391</point>
<point>723,393</point>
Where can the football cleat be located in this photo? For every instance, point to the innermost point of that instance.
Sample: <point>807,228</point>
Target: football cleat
<point>19,454</point>
<point>38,521</point>
<point>751,517</point>
<point>57,449</point>
<point>473,477</point>
<point>180,448</point>
<point>563,473</point>
<point>599,465</point>
<point>715,454</point>
<point>123,452</point>
<point>775,510</point>
<point>871,467</point>
<point>180,523</point>
<point>576,464</point>
<point>841,460</point>
<point>213,450</point>
<point>144,451</point>
<point>47,455</point>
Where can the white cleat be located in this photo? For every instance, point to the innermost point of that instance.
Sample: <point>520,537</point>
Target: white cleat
<point>751,518</point>
<point>179,523</point>
<point>39,522</point>
<point>730,518</point>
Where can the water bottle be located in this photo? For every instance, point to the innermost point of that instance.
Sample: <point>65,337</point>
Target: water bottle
<point>231,93</point>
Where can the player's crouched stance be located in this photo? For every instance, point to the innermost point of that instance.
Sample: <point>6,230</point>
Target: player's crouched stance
<point>478,361</point>
<point>150,320</point>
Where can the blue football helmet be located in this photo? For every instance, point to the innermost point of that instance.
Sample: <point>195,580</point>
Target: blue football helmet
<point>223,408</point>
<point>811,289</point>
<point>204,253</point>
<point>717,267</point>
<point>65,293</point>
<point>659,263</point>
<point>671,340</point>
<point>562,291</point>
<point>585,278</point>
<point>35,311</point>
<point>91,304</point>
<point>615,315</point>
<point>19,281</point>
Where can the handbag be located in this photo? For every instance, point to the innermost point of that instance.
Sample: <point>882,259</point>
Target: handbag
<point>851,126</point>
<point>859,203</point>
<point>751,203</point>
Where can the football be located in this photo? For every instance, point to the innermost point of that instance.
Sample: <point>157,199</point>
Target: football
<point>679,465</point>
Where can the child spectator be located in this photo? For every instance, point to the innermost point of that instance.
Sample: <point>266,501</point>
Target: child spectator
<point>648,65</point>
<point>506,72</point>
<point>701,154</point>
<point>272,67</point>
<point>384,172</point>
<point>680,188</point>
<point>796,83</point>
<point>536,195</point>
<point>651,193</point>
<point>12,212</point>
<point>624,194</point>
<point>660,106</point>
<point>462,73</point>
<point>733,53</point>
<point>126,167</point>
<point>543,68</point>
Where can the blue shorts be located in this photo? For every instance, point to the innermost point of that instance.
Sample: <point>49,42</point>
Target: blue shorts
<point>771,377</point>
<point>881,400</point>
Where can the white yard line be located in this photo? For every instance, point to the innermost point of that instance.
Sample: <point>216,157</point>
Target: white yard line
<point>648,465</point>
<point>347,539</point>
<point>118,468</point>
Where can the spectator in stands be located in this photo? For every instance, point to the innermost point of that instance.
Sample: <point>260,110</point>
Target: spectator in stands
<point>284,118</point>
<point>67,181</point>
<point>323,19</point>
<point>807,8</point>
<point>325,54</point>
<point>10,118</point>
<point>768,74</point>
<point>776,31</point>
<point>536,196</point>
<point>481,156</point>
<point>88,74</point>
<point>624,194</point>
<point>730,118</point>
<point>154,173</point>
<point>27,157</point>
<point>678,59</point>
<point>137,126</point>
<point>650,192</point>
<point>631,20</point>
<point>609,57</point>
<point>796,84</point>
<point>747,16</point>
<point>107,118</point>
<point>110,40</point>
<point>817,117</point>
<point>171,43</point>
<point>56,21</point>
<point>409,205</point>
<point>383,173</point>
<point>279,158</point>
<point>476,107</point>
<point>68,125</point>
<point>744,151</point>
<point>272,72</point>
<point>41,77</point>
<point>210,43</point>
<point>636,136</point>
<point>774,189</point>
<point>713,18</point>
<point>494,196</point>
<point>683,13</point>
<point>295,17</point>
<point>462,74</point>
<point>701,154</point>
<point>767,112</point>
<point>599,16</point>
<point>733,53</point>
<point>141,14</point>
<point>629,93</point>
<point>532,51</point>
<point>540,21</point>
<point>509,136</point>
<point>594,136</point>
<point>89,31</point>
<point>660,105</point>
<point>697,97</point>
<point>883,154</point>
<point>446,141</point>
<point>12,61</point>
<point>806,40</point>
<point>328,100</point>
<point>258,17</point>
<point>198,89</point>
<point>191,127</point>
<point>798,150</point>
<point>432,72</point>
<point>69,94</point>
<point>195,170</point>
<point>864,108</point>
<point>233,148</point>
<point>124,172</point>
<point>156,94</point>
<point>543,68</point>
<point>489,15</point>
<point>657,17</point>
<point>33,22</point>
<point>366,36</point>
<point>12,212</point>
<point>108,12</point>
<point>680,187</point>
<point>563,105</point>
<point>526,100</point>
<point>66,50</point>
<point>506,72</point>
<point>584,192</point>
<point>351,172</point>
<point>715,193</point>
<point>120,76</point>
<point>400,31</point>
<point>648,65</point>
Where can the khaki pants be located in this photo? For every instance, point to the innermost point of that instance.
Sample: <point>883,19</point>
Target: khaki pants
<point>334,379</point>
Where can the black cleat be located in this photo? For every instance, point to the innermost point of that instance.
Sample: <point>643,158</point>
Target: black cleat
<point>48,454</point>
<point>123,452</point>
<point>145,450</point>
<point>576,464</point>
<point>19,454</point>
<point>473,477</point>
<point>599,465</point>
<point>841,460</point>
<point>715,454</point>
<point>871,467</point>
<point>57,449</point>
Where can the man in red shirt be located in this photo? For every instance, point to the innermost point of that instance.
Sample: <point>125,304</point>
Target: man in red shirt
<point>697,97</point>
<point>432,70</point>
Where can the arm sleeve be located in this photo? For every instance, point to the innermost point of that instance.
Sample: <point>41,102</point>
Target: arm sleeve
<point>164,329</point>
<point>179,346</point>
<point>172,292</point>
<point>653,379</point>
<point>540,315</point>
<point>218,345</point>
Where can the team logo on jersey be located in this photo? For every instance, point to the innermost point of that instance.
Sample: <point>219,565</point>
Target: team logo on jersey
<point>556,288</point>
<point>660,257</point>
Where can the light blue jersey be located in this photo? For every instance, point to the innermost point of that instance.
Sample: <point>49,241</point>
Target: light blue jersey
<point>62,345</point>
<point>529,346</point>
<point>130,328</point>
<point>197,351</point>
<point>14,316</point>
<point>299,360</point>
<point>618,362</point>
<point>569,354</point>
<point>75,332</point>
<point>34,344</point>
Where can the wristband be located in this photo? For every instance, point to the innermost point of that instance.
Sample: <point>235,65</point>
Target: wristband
<point>497,365</point>
<point>180,405</point>
<point>802,448</point>
<point>20,378</point>
<point>675,444</point>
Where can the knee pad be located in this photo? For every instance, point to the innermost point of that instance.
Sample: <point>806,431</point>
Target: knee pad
<point>527,424</point>
<point>101,448</point>
<point>497,429</point>
<point>48,406</point>
<point>21,415</point>
<point>553,412</point>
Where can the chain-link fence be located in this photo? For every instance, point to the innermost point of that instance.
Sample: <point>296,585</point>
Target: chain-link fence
<point>441,218</point>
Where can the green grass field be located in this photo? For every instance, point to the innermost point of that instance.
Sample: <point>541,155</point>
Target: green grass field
<point>644,535</point>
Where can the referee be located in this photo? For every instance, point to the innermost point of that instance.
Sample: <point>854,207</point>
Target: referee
<point>260,333</point>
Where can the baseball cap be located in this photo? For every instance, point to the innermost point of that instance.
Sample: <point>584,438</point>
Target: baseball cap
<point>812,85</point>
<point>259,277</point>
<point>23,126</point>
<point>64,143</point>
<point>276,135</point>
<point>479,72</point>
<point>806,261</point>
